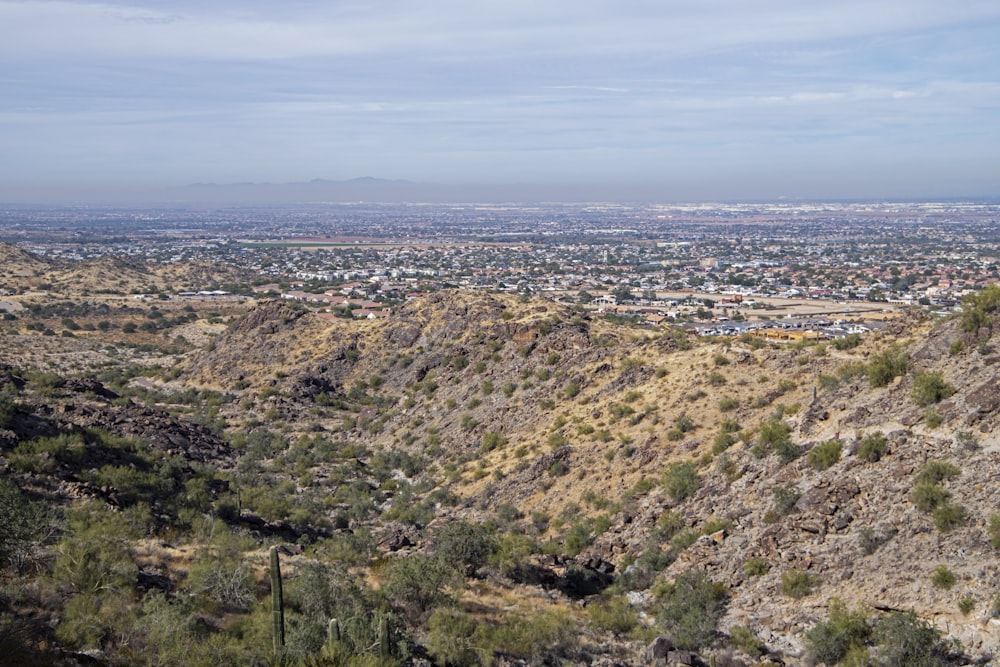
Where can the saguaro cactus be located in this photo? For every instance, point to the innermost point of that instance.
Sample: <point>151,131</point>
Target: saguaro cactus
<point>277,604</point>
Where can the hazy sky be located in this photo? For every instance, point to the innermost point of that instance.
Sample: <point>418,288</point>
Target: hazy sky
<point>698,99</point>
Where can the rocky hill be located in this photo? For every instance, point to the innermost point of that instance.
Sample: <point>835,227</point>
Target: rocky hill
<point>612,466</point>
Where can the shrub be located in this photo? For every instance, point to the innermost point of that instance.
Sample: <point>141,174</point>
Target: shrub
<point>948,516</point>
<point>870,541</point>
<point>848,342</point>
<point>932,418</point>
<point>467,544</point>
<point>690,610</point>
<point>785,497</point>
<point>927,496</point>
<point>744,639</point>
<point>756,567</point>
<point>934,472</point>
<point>681,480</point>
<point>824,455</point>
<point>773,433</point>
<point>977,308</point>
<point>886,366</point>
<point>873,447</point>
<point>419,583</point>
<point>942,577</point>
<point>930,388</point>
<point>614,615</point>
<point>728,404</point>
<point>492,440</point>
<point>796,583</point>
<point>967,441</point>
<point>903,640</point>
<point>844,630</point>
<point>994,530</point>
<point>966,604</point>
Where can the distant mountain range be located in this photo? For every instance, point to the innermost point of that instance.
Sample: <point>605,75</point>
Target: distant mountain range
<point>371,189</point>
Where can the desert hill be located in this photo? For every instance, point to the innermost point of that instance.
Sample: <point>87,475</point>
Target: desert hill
<point>577,473</point>
<point>547,410</point>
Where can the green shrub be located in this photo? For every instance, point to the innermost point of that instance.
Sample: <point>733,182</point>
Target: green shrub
<point>785,497</point>
<point>681,480</point>
<point>796,583</point>
<point>932,418</point>
<point>993,529</point>
<point>824,455</point>
<point>728,404</point>
<point>870,540</point>
<point>418,583</point>
<point>614,616</point>
<point>942,577</point>
<point>934,472</point>
<point>466,544</point>
<point>690,609</point>
<point>977,308</point>
<point>844,630</point>
<point>848,342</point>
<point>966,604</point>
<point>930,388</point>
<point>774,433</point>
<point>886,366</point>
<point>756,567</point>
<point>927,496</point>
<point>491,441</point>
<point>948,515</point>
<point>873,447</point>
<point>744,639</point>
<point>903,640</point>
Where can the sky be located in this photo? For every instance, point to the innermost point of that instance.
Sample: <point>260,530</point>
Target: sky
<point>677,101</point>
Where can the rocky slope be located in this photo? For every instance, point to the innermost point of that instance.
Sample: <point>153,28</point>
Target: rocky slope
<point>547,410</point>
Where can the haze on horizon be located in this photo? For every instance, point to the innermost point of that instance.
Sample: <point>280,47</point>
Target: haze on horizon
<point>722,99</point>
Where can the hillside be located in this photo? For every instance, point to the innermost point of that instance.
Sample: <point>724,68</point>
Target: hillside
<point>606,465</point>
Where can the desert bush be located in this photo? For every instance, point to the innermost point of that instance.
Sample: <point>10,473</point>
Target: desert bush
<point>466,544</point>
<point>977,308</point>
<point>728,404</point>
<point>948,516</point>
<point>756,567</point>
<point>681,480</point>
<point>844,630</point>
<point>873,447</point>
<point>903,640</point>
<point>785,497</point>
<point>418,583</point>
<point>870,540</point>
<point>993,529</point>
<point>886,366</point>
<point>796,583</point>
<point>942,577</point>
<point>690,609</point>
<point>929,388</point>
<point>927,496</point>
<point>613,615</point>
<point>824,455</point>
<point>491,441</point>
<point>966,604</point>
<point>935,471</point>
<point>848,342</point>
<point>24,526</point>
<point>932,418</point>
<point>773,433</point>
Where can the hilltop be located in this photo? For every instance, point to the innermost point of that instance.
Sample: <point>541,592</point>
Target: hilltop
<point>596,463</point>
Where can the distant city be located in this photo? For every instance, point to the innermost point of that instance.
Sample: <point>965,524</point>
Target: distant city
<point>702,263</point>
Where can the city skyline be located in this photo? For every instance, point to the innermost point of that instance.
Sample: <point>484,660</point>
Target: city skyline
<point>665,101</point>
